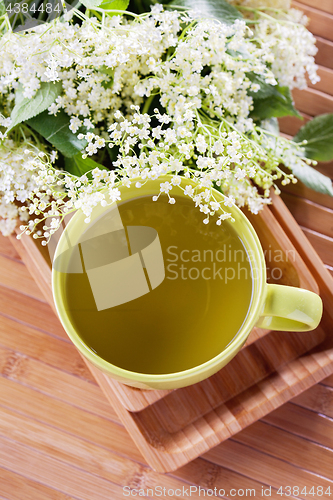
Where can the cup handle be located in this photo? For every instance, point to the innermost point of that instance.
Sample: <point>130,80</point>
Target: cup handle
<point>291,309</point>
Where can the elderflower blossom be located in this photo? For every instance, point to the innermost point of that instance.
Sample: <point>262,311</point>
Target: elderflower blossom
<point>17,165</point>
<point>110,73</point>
<point>291,47</point>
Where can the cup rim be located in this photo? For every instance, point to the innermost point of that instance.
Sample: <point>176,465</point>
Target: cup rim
<point>256,306</point>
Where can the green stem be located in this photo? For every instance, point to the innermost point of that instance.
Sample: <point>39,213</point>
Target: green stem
<point>259,12</point>
<point>193,23</point>
<point>148,103</point>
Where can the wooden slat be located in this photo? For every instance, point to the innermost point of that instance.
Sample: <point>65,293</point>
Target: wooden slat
<point>7,249</point>
<point>210,475</point>
<point>66,417</point>
<point>325,168</point>
<point>299,189</point>
<point>326,80</point>
<point>37,344</point>
<point>49,471</point>
<point>17,487</point>
<point>15,275</point>
<point>30,252</point>
<point>253,463</point>
<point>322,243</point>
<point>324,56</point>
<point>320,23</point>
<point>299,421</point>
<point>290,125</point>
<point>23,308</point>
<point>75,452</point>
<point>324,5</point>
<point>288,447</point>
<point>328,381</point>
<point>54,382</point>
<point>312,102</point>
<point>310,215</point>
<point>318,398</point>
<point>329,269</point>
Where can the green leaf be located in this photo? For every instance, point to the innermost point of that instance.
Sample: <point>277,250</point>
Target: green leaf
<point>266,89</point>
<point>108,82</point>
<point>219,9</point>
<point>80,166</point>
<point>55,129</point>
<point>107,4</point>
<point>278,104</point>
<point>26,108</point>
<point>2,8</point>
<point>312,178</point>
<point>114,5</point>
<point>106,71</point>
<point>319,136</point>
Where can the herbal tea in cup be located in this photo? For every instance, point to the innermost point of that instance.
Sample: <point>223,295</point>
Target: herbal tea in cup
<point>157,299</point>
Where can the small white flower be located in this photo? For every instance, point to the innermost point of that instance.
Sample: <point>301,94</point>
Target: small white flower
<point>189,191</point>
<point>176,180</point>
<point>87,123</point>
<point>165,187</point>
<point>215,205</point>
<point>114,194</point>
<point>229,201</point>
<point>75,124</point>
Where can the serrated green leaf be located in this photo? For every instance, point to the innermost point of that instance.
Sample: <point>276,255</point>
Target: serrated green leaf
<point>80,166</point>
<point>26,108</point>
<point>312,178</point>
<point>219,9</point>
<point>319,136</point>
<point>278,104</point>
<point>55,129</point>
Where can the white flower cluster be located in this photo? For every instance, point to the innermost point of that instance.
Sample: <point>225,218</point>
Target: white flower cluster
<point>194,74</point>
<point>206,72</point>
<point>98,65</point>
<point>293,48</point>
<point>17,162</point>
<point>283,34</point>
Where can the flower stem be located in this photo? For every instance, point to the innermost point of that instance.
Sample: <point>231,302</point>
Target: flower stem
<point>148,103</point>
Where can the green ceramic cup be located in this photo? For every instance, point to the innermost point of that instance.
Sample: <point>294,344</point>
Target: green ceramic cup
<point>275,307</point>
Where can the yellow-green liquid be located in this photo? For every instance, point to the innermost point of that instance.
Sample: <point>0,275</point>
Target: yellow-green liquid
<point>192,315</point>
